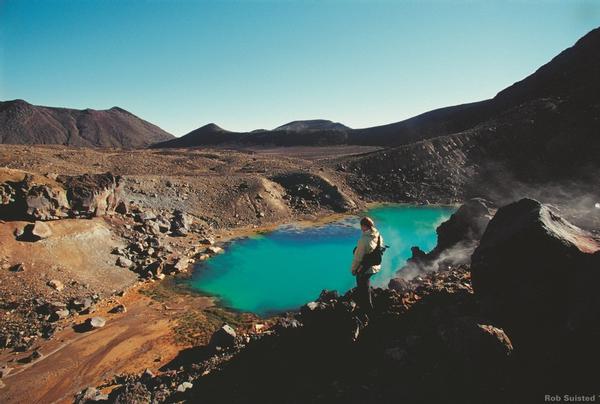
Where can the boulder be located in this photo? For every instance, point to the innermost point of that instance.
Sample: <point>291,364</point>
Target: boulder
<point>40,230</point>
<point>122,208</point>
<point>95,322</point>
<point>535,273</point>
<point>17,268</point>
<point>92,194</point>
<point>214,250</point>
<point>180,224</point>
<point>155,267</point>
<point>466,224</point>
<point>81,305</point>
<point>399,285</point>
<point>181,265</point>
<point>328,295</point>
<point>184,386</point>
<point>124,262</point>
<point>223,338</point>
<point>207,241</point>
<point>147,215</point>
<point>26,197</point>
<point>120,308</point>
<point>56,284</point>
<point>477,346</point>
<point>60,314</point>
<point>90,394</point>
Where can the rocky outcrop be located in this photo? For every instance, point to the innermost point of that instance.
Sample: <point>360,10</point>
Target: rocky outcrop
<point>92,194</point>
<point>457,238</point>
<point>467,224</point>
<point>25,196</point>
<point>306,191</point>
<point>536,274</point>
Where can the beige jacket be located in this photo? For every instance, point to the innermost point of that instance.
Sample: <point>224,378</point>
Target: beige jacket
<point>366,244</point>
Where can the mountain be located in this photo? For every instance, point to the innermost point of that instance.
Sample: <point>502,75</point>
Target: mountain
<point>534,135</point>
<point>24,123</point>
<point>574,74</point>
<point>206,135</point>
<point>295,133</point>
<point>313,124</point>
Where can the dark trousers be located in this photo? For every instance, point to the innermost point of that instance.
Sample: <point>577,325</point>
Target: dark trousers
<point>363,291</point>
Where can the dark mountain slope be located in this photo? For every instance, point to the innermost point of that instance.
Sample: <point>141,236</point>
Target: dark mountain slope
<point>23,123</point>
<point>206,135</point>
<point>573,74</point>
<point>211,134</point>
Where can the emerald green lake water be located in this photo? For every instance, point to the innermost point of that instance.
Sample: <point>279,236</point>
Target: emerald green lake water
<point>283,269</point>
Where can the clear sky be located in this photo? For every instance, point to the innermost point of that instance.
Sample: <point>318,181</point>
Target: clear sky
<point>259,64</point>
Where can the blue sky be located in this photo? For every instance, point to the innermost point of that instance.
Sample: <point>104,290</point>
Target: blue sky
<point>258,64</point>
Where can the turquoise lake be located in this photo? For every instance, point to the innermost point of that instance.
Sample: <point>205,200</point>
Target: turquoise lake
<point>285,268</point>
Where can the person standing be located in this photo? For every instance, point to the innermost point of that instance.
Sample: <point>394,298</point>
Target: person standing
<point>362,266</point>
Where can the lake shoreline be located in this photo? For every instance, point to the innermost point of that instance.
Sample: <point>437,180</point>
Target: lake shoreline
<point>226,240</point>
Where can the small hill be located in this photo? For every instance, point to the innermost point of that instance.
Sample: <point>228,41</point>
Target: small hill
<point>313,124</point>
<point>295,134</point>
<point>205,135</point>
<point>24,123</point>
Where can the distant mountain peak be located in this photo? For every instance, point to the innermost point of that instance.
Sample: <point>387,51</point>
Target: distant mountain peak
<point>24,123</point>
<point>212,127</point>
<point>312,124</point>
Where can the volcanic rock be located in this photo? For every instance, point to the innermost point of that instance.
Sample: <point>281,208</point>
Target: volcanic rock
<point>224,337</point>
<point>95,322</point>
<point>184,386</point>
<point>537,273</point>
<point>181,265</point>
<point>17,268</point>
<point>124,262</point>
<point>93,194</point>
<point>122,208</point>
<point>56,284</point>
<point>25,196</point>
<point>214,250</point>
<point>40,230</point>
<point>59,314</point>
<point>456,240</point>
<point>120,308</point>
<point>466,224</point>
<point>180,224</point>
<point>478,345</point>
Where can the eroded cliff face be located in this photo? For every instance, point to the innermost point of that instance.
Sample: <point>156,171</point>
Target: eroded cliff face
<point>36,197</point>
<point>24,195</point>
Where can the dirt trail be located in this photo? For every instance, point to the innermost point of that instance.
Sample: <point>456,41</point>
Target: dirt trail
<point>142,337</point>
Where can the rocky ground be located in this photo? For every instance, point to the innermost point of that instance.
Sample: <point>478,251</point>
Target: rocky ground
<point>93,239</point>
<point>75,238</point>
<point>495,330</point>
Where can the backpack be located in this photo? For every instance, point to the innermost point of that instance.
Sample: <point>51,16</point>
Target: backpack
<point>374,257</point>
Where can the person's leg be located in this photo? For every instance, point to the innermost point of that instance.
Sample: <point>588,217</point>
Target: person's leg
<point>363,291</point>
<point>367,286</point>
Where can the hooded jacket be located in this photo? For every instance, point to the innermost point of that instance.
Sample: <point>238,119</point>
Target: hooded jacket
<point>366,244</point>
